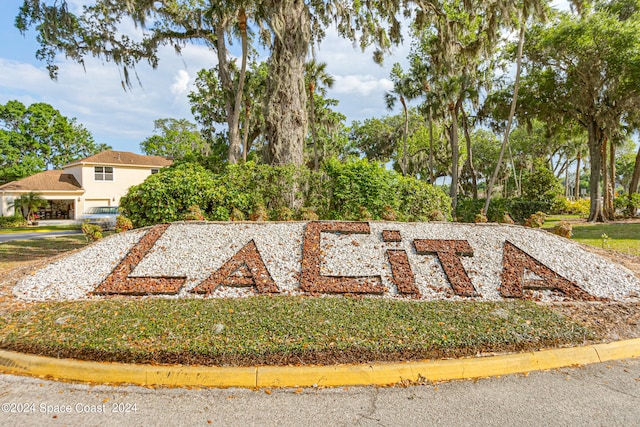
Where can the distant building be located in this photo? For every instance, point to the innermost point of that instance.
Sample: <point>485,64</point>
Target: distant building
<point>98,180</point>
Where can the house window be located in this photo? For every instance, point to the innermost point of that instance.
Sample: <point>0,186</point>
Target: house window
<point>153,171</point>
<point>103,173</point>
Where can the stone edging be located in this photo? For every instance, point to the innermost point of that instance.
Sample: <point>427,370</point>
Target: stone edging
<point>307,376</point>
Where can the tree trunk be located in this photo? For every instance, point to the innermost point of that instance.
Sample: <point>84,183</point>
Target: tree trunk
<point>635,179</point>
<point>233,117</point>
<point>286,98</point>
<point>405,135</point>
<point>247,129</point>
<point>577,190</point>
<point>242,23</point>
<point>512,113</point>
<point>566,180</point>
<point>469,163</point>
<point>596,213</point>
<point>607,194</point>
<point>431,147</point>
<point>314,133</point>
<point>453,139</point>
<point>611,188</point>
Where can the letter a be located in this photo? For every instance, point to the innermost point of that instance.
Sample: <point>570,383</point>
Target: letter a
<point>515,262</point>
<point>245,268</point>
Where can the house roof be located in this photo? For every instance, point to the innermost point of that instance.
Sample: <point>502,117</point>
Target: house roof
<point>123,158</point>
<point>55,180</point>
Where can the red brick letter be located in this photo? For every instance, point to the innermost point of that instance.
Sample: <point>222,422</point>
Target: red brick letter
<point>119,282</point>
<point>514,263</point>
<point>310,278</point>
<point>448,252</point>
<point>401,271</point>
<point>245,268</point>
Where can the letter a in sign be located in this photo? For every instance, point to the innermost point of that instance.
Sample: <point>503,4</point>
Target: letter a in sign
<point>245,268</point>
<point>515,262</point>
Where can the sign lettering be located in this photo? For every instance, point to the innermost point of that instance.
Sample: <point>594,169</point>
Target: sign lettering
<point>246,268</point>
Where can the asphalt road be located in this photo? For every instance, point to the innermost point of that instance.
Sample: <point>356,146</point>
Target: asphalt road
<point>606,394</point>
<point>35,235</point>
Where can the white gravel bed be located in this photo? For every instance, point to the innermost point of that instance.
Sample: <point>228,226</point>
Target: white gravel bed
<point>196,250</point>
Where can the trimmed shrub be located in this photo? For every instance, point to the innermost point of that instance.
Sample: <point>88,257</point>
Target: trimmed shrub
<point>516,209</point>
<point>123,224</point>
<point>194,214</point>
<point>535,220</point>
<point>541,184</point>
<point>564,229</point>
<point>627,206</point>
<point>167,196</point>
<point>92,232</point>
<point>520,209</point>
<point>358,187</point>
<point>480,218</point>
<point>12,221</point>
<point>419,201</point>
<point>562,205</point>
<point>352,190</point>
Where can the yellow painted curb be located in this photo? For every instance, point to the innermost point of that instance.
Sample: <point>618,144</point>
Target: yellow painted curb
<point>124,373</point>
<point>305,376</point>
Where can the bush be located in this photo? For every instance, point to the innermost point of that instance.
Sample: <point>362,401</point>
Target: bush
<point>627,206</point>
<point>571,207</point>
<point>359,187</point>
<point>352,190</point>
<point>12,221</point>
<point>541,184</point>
<point>92,232</point>
<point>194,214</point>
<point>123,224</point>
<point>419,201</point>
<point>521,210</point>
<point>535,220</point>
<point>168,195</point>
<point>500,210</point>
<point>564,229</point>
<point>480,218</point>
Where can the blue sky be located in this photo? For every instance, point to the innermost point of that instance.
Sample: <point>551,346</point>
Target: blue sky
<point>124,119</point>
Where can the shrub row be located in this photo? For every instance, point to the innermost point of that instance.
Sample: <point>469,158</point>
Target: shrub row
<point>352,190</point>
<point>12,221</point>
<point>518,209</point>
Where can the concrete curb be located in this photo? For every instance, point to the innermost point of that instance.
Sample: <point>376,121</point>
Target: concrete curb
<point>306,376</point>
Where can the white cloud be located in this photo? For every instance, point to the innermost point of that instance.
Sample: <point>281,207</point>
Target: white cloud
<point>363,85</point>
<point>180,83</point>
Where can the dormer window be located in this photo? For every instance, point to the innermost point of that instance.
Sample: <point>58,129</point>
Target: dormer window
<point>103,173</point>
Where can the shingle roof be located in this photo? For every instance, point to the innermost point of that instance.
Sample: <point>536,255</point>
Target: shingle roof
<point>111,157</point>
<point>55,180</point>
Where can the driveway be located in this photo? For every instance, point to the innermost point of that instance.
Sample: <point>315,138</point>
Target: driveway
<point>36,235</point>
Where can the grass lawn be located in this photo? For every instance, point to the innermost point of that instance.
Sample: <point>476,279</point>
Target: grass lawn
<point>619,236</point>
<point>282,330</point>
<point>38,229</point>
<point>17,251</point>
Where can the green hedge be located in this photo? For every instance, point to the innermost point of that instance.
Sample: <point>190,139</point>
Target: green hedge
<point>518,209</point>
<point>12,221</point>
<point>352,190</point>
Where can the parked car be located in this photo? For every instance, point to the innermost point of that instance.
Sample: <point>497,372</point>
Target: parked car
<point>104,216</point>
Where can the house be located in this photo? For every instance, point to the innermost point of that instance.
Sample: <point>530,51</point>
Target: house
<point>98,180</point>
